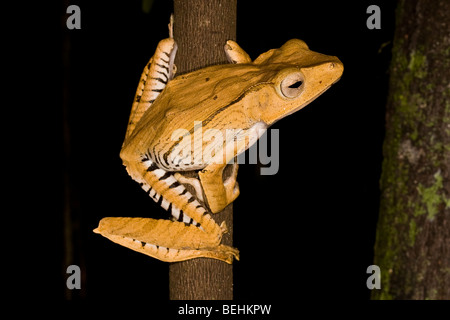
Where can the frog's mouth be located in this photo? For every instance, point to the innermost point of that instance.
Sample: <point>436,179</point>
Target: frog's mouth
<point>336,81</point>
<point>303,105</point>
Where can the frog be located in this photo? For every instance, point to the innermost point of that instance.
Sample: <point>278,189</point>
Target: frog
<point>240,99</point>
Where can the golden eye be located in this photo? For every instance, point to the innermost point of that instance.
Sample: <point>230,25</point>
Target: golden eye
<point>292,85</point>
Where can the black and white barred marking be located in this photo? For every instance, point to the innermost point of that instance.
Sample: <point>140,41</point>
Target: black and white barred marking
<point>152,84</point>
<point>172,183</point>
<point>180,156</point>
<point>156,248</point>
<point>157,82</point>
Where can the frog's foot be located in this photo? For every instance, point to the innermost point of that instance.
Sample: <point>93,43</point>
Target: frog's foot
<point>165,240</point>
<point>219,193</point>
<point>194,182</point>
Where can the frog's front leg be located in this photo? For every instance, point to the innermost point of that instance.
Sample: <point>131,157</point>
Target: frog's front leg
<point>218,192</point>
<point>235,54</point>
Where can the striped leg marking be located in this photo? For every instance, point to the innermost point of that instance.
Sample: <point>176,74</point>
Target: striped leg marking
<point>177,188</point>
<point>157,73</point>
<point>192,233</point>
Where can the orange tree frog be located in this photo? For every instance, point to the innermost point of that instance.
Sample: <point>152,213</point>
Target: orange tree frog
<point>239,100</point>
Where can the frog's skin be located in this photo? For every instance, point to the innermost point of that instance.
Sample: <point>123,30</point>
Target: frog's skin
<point>243,97</point>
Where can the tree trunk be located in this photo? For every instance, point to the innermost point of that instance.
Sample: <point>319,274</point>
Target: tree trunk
<point>201,29</point>
<point>413,236</point>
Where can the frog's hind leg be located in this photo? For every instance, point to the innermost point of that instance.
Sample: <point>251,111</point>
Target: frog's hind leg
<point>219,193</point>
<point>192,233</point>
<point>165,240</point>
<point>157,73</point>
<point>171,195</point>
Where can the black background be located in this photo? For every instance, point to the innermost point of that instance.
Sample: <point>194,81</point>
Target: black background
<point>307,231</point>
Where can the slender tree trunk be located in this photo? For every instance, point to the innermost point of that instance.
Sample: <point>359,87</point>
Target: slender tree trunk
<point>413,237</point>
<point>67,209</point>
<point>201,29</point>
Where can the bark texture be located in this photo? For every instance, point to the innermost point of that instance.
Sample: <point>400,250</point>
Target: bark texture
<point>413,236</point>
<point>201,29</point>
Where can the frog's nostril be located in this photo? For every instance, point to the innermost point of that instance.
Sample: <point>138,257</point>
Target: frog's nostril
<point>331,66</point>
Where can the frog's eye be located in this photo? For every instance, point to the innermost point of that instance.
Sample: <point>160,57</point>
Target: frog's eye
<point>292,85</point>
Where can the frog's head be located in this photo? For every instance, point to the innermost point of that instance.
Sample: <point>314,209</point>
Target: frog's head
<point>298,76</point>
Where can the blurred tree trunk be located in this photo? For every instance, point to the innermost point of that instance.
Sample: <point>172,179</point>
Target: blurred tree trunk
<point>201,29</point>
<point>413,236</point>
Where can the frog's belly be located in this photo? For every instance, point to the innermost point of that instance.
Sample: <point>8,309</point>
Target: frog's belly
<point>195,151</point>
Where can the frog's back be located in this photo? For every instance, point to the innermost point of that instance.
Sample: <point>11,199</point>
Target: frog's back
<point>193,97</point>
<point>207,90</point>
